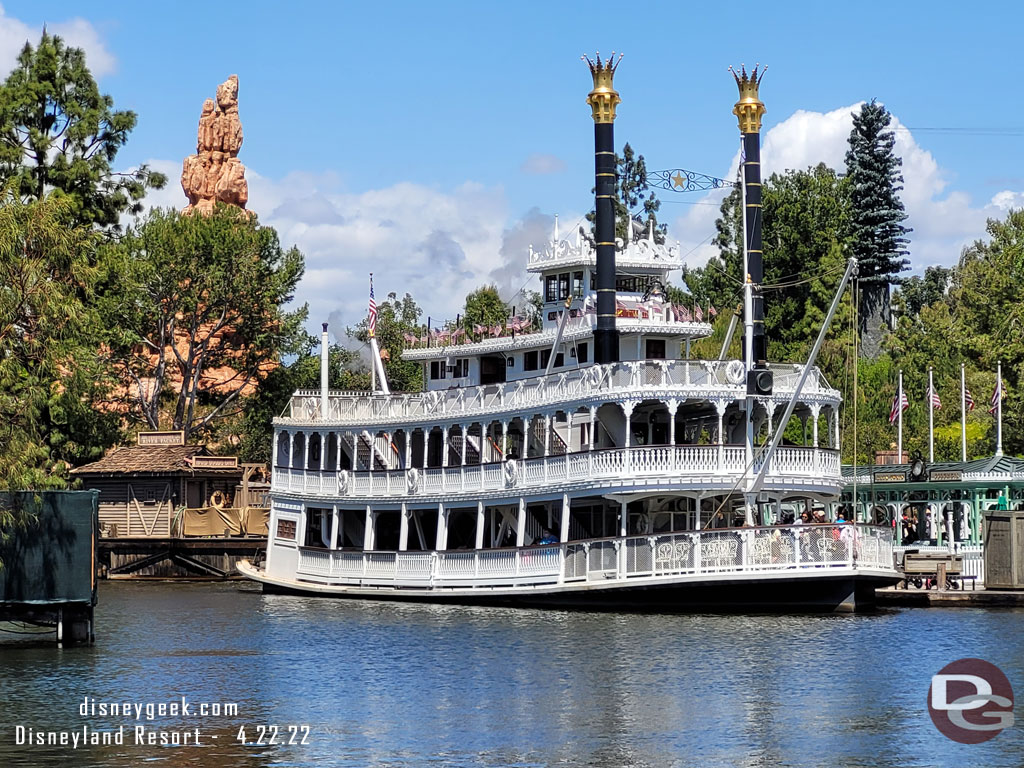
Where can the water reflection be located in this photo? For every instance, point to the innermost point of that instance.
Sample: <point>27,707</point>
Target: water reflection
<point>412,685</point>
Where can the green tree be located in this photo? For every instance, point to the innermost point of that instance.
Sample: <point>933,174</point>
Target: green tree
<point>918,292</point>
<point>877,234</point>
<point>198,317</point>
<point>395,318</point>
<point>49,373</point>
<point>484,307</point>
<point>58,132</point>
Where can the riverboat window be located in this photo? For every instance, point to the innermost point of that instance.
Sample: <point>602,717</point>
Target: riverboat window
<point>628,284</point>
<point>530,361</point>
<point>461,368</point>
<point>655,349</point>
<point>437,369</point>
<point>545,355</point>
<point>581,352</point>
<point>551,288</point>
<point>286,529</point>
<point>563,286</point>
<point>577,283</point>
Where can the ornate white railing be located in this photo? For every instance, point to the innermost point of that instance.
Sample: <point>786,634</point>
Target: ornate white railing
<point>735,551</point>
<point>618,381</point>
<point>654,462</point>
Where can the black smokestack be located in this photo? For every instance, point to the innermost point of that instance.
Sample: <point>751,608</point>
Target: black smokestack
<point>603,100</point>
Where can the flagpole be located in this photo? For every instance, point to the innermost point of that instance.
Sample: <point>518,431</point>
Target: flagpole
<point>931,417</point>
<point>999,408</point>
<point>899,444</point>
<point>963,414</point>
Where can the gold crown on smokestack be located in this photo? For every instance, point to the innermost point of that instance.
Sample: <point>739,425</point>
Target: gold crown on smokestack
<point>750,107</point>
<point>604,98</point>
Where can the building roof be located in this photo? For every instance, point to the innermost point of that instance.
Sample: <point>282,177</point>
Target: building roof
<point>152,460</point>
<point>977,468</point>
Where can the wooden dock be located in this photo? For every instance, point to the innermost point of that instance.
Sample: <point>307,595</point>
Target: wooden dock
<point>959,598</point>
<point>176,557</point>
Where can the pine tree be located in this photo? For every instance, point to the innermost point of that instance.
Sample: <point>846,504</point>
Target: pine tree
<point>878,236</point>
<point>59,133</point>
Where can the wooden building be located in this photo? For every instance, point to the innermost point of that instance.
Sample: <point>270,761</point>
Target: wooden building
<point>143,487</point>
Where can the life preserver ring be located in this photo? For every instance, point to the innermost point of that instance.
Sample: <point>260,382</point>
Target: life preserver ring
<point>511,472</point>
<point>734,371</point>
<point>217,499</point>
<point>642,523</point>
<point>412,480</point>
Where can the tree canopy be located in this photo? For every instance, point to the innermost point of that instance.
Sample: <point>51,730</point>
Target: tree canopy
<point>395,318</point>
<point>198,318</point>
<point>59,133</point>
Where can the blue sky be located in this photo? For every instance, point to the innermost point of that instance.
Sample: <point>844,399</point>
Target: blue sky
<point>432,142</point>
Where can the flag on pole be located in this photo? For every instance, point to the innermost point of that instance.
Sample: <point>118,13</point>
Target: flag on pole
<point>373,310</point>
<point>900,399</point>
<point>968,400</point>
<point>935,401</point>
<point>712,312</point>
<point>997,394</point>
<point>698,313</point>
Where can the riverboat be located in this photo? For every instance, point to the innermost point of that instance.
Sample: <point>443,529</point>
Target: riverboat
<point>586,461</point>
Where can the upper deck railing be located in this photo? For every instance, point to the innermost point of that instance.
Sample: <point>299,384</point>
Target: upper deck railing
<point>683,379</point>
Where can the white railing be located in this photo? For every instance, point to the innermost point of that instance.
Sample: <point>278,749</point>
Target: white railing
<point>683,378</point>
<point>973,555</point>
<point>671,463</point>
<point>809,548</point>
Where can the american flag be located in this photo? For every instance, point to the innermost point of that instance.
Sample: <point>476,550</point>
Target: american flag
<point>895,410</point>
<point>712,312</point>
<point>968,400</point>
<point>999,390</point>
<point>936,402</point>
<point>373,310</point>
<point>698,313</point>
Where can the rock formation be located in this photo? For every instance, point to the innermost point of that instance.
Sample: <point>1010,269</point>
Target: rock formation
<point>215,173</point>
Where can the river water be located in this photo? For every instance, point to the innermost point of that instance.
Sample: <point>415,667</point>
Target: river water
<point>409,685</point>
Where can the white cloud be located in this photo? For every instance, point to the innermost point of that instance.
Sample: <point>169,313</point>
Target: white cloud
<point>539,164</point>
<point>943,220</point>
<point>77,33</point>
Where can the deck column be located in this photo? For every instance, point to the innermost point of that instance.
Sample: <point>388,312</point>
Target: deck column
<point>504,440</point>
<point>442,527</point>
<point>323,451</point>
<point>403,529</point>
<point>273,451</point>
<point>521,523</point>
<point>479,525</point>
<point>673,408</point>
<point>305,451</point>
<point>835,429</point>
<point>593,426</point>
<point>408,448</point>
<point>368,537</point>
<point>465,438</point>
<point>334,527</point>
<point>563,533</point>
<point>720,406</point>
<point>291,449</point>
<point>444,447</point>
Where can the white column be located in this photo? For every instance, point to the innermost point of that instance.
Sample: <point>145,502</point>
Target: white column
<point>444,446</point>
<point>815,413</point>
<point>408,448</point>
<point>305,451</point>
<point>720,407</point>
<point>963,414</point>
<point>273,452</point>
<point>323,451</point>
<point>442,527</point>
<point>931,417</point>
<point>479,525</point>
<point>999,408</point>
<point>673,408</point>
<point>563,534</point>
<point>593,427</point>
<point>623,518</point>
<point>504,440</point>
<point>403,529</point>
<point>291,449</point>
<point>337,438</point>
<point>521,523</point>
<point>334,527</point>
<point>463,428</point>
<point>368,537</point>
<point>547,434</point>
<point>835,427</point>
<point>627,410</point>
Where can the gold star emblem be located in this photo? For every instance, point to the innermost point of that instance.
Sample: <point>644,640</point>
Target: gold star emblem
<point>678,180</point>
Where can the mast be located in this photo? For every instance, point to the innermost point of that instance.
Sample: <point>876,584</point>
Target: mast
<point>603,100</point>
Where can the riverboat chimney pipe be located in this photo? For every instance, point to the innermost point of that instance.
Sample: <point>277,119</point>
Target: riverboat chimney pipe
<point>749,110</point>
<point>603,100</point>
<point>324,369</point>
